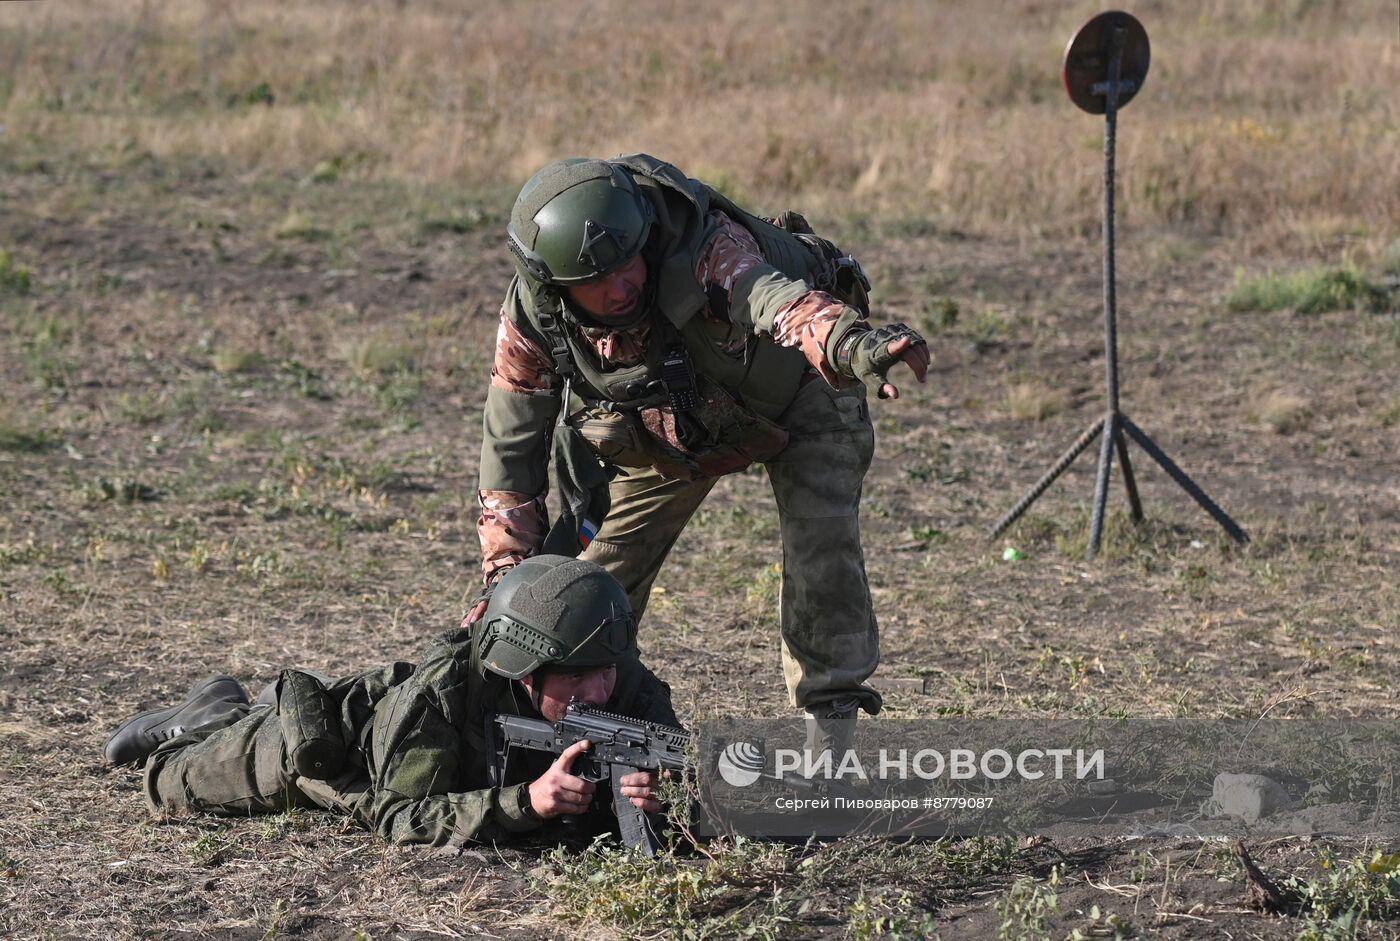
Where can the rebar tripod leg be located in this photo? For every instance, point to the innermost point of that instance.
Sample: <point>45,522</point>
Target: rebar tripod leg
<point>1129,482</point>
<point>1110,434</point>
<point>1187,484</point>
<point>1048,478</point>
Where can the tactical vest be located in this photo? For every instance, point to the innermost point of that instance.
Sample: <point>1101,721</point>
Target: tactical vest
<point>761,381</point>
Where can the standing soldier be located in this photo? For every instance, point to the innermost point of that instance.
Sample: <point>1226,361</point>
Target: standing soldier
<point>677,337</point>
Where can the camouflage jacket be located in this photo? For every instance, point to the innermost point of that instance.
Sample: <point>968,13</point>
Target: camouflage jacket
<point>423,745</point>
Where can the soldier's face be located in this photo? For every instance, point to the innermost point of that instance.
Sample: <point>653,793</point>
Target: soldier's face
<point>555,690</point>
<point>614,296</point>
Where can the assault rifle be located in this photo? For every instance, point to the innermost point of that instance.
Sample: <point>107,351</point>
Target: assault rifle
<point>621,745</point>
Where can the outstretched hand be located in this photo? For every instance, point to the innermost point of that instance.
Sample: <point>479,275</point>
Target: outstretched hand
<point>914,354</point>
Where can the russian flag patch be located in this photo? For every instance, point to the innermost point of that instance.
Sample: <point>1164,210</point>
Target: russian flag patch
<point>587,529</point>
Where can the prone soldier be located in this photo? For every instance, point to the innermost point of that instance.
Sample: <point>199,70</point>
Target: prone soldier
<point>403,749</point>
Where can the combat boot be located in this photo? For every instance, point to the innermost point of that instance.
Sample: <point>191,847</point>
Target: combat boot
<point>207,702</point>
<point>831,726</point>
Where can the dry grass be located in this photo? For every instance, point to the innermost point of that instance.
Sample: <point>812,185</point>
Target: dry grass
<point>248,283</point>
<point>1284,412</point>
<point>1270,119</point>
<point>1029,401</point>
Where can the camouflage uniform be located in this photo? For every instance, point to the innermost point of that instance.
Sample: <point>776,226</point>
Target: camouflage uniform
<point>829,634</point>
<point>418,761</point>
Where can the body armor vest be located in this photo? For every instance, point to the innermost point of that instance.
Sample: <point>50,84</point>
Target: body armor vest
<point>764,377</point>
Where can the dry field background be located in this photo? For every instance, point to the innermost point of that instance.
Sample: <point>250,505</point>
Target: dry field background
<point>250,260</point>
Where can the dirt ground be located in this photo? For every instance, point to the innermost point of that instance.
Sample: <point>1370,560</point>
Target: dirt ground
<point>240,427</point>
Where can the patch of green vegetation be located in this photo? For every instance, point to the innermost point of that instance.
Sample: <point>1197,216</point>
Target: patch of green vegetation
<point>1339,905</point>
<point>940,314</point>
<point>1077,668</point>
<point>1311,291</point>
<point>122,490</point>
<point>1026,910</point>
<point>14,278</point>
<point>62,585</point>
<point>307,381</point>
<point>927,536</point>
<point>297,225</point>
<point>989,330</point>
<point>892,914</point>
<point>257,94</point>
<point>453,222</point>
<point>144,408</point>
<point>614,891</point>
<point>938,468</point>
<point>24,437</point>
<point>398,393</point>
<point>44,352</point>
<point>763,589</point>
<point>194,403</point>
<point>210,848</point>
<point>1389,416</point>
<point>1390,258</point>
<point>234,359</point>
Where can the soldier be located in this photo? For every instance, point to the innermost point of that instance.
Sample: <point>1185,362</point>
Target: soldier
<point>412,738</point>
<point>679,338</point>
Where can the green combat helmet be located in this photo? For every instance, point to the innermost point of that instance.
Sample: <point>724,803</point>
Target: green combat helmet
<point>576,220</point>
<point>555,612</point>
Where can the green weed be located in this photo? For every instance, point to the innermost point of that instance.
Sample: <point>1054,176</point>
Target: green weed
<point>397,394</point>
<point>453,223</point>
<point>1311,291</point>
<point>297,225</point>
<point>1102,926</point>
<point>1026,910</point>
<point>210,848</point>
<point>940,314</point>
<point>1389,416</point>
<point>989,330</point>
<point>763,588</point>
<point>233,359</point>
<point>144,408</point>
<point>892,915</point>
<point>14,278</point>
<point>307,381</point>
<point>733,893</point>
<point>1338,905</point>
<point>44,352</point>
<point>24,437</point>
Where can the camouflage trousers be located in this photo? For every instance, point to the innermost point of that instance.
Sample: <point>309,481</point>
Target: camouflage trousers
<point>830,641</point>
<point>234,767</point>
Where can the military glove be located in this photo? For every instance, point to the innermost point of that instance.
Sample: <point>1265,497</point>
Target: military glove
<point>865,354</point>
<point>478,607</point>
